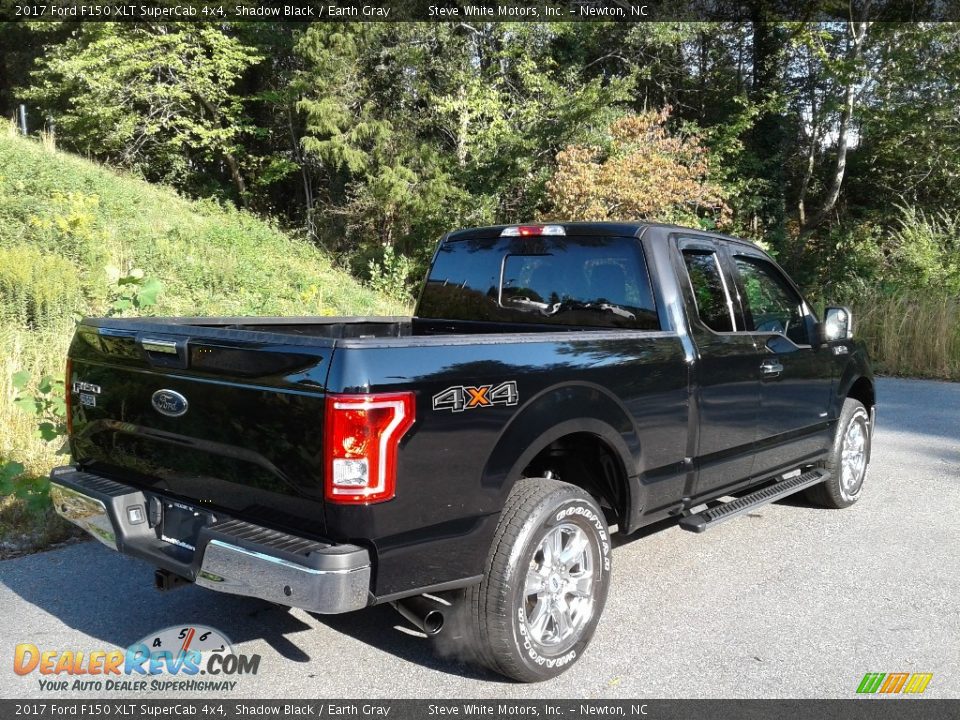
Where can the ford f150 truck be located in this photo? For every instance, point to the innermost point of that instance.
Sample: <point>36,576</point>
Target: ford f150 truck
<point>555,381</point>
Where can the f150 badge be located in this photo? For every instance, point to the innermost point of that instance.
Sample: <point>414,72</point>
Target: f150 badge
<point>87,391</point>
<point>467,397</point>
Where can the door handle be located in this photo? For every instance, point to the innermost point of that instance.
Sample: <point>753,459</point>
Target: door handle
<point>771,368</point>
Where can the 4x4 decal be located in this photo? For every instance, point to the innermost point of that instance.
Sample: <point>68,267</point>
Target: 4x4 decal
<point>458,398</point>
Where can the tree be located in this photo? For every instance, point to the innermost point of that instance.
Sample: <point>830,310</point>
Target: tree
<point>158,98</point>
<point>20,46</point>
<point>767,137</point>
<point>909,148</point>
<point>850,75</point>
<point>646,172</point>
<point>413,128</point>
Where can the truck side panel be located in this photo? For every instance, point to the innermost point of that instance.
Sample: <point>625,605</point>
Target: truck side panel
<point>456,466</point>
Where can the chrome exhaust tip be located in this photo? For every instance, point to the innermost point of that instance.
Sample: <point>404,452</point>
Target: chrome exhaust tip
<point>421,612</point>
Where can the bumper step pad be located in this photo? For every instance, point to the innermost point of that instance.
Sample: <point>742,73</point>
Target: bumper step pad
<point>707,519</point>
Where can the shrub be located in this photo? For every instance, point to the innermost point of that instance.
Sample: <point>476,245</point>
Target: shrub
<point>925,250</point>
<point>67,225</point>
<point>646,172</point>
<point>37,289</point>
<point>391,275</point>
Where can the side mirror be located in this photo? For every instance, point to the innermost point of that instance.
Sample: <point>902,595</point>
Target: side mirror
<point>837,324</point>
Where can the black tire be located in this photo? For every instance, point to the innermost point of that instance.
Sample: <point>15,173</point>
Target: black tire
<point>841,490</point>
<point>498,611</point>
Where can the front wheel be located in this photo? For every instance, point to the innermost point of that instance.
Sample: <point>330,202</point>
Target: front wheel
<point>848,459</point>
<point>546,582</point>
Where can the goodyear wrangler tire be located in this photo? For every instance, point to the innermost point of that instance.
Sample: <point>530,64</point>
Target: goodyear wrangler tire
<point>546,581</point>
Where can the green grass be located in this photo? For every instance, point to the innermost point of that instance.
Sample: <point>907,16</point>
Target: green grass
<point>69,229</point>
<point>914,334</point>
<point>211,259</point>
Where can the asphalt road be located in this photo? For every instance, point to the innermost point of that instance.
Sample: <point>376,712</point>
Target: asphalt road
<point>788,601</point>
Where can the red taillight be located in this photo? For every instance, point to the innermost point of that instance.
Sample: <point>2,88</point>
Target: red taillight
<point>362,433</point>
<point>68,396</point>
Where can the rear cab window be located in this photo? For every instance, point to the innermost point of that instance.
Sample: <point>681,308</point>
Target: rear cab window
<point>588,282</point>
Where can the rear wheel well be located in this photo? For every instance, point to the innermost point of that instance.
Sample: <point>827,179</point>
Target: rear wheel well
<point>862,390</point>
<point>587,461</point>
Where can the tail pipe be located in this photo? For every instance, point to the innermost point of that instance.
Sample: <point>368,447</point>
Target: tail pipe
<point>422,612</point>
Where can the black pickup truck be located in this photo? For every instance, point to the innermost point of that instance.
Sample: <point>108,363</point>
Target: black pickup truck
<point>555,381</point>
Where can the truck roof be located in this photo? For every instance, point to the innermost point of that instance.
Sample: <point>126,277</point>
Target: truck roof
<point>621,229</point>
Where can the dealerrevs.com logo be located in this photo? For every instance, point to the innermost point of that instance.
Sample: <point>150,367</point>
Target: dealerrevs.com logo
<point>191,658</point>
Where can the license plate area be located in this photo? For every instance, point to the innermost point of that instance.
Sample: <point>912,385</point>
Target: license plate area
<point>182,523</point>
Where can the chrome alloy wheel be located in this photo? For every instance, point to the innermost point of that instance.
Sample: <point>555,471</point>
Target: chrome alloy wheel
<point>853,458</point>
<point>559,587</point>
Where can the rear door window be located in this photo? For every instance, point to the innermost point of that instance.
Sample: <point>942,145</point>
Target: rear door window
<point>710,291</point>
<point>578,281</point>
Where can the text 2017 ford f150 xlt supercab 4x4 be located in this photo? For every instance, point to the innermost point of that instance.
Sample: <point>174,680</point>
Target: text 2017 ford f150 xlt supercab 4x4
<point>554,381</point>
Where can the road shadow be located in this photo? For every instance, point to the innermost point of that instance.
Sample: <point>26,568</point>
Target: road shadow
<point>620,540</point>
<point>382,628</point>
<point>111,597</point>
<point>797,500</point>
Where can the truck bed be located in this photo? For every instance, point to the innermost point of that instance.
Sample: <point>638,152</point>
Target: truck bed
<point>334,328</point>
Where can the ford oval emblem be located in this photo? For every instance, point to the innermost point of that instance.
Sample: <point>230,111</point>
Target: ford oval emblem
<point>169,403</point>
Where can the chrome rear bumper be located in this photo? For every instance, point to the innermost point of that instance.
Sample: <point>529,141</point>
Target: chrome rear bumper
<point>84,511</point>
<point>228,555</point>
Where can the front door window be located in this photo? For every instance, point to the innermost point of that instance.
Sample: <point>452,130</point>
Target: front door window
<point>772,305</point>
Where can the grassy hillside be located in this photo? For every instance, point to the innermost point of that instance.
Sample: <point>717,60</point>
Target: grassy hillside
<point>71,229</point>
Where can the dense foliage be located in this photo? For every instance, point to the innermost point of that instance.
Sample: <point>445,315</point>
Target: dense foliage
<point>644,173</point>
<point>835,143</point>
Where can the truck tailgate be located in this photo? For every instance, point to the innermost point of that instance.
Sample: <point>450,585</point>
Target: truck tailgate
<point>217,417</point>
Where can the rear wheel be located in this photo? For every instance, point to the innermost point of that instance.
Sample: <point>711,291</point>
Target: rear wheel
<point>546,582</point>
<point>848,459</point>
